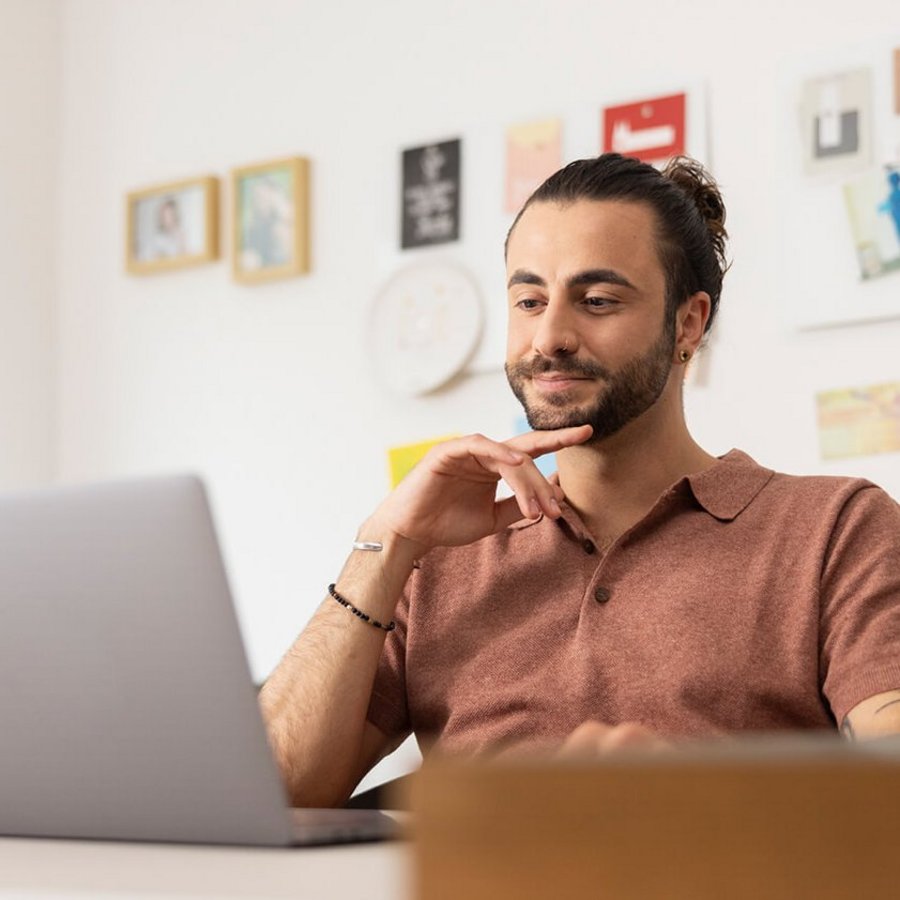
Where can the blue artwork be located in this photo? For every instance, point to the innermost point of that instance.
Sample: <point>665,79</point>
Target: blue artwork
<point>873,206</point>
<point>891,206</point>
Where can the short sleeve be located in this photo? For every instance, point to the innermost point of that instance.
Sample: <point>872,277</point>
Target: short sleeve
<point>860,602</point>
<point>388,707</point>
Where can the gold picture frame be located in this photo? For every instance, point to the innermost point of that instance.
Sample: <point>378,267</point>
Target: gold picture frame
<point>173,225</point>
<point>270,220</point>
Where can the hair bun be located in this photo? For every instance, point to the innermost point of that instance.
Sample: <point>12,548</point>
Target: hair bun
<point>699,185</point>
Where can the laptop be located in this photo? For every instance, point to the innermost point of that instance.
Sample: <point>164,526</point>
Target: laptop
<point>127,709</point>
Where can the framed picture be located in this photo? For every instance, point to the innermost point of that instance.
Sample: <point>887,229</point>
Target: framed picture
<point>172,225</point>
<point>271,220</point>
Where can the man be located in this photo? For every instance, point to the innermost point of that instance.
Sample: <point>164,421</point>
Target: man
<point>650,592</point>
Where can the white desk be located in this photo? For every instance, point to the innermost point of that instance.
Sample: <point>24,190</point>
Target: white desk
<point>57,869</point>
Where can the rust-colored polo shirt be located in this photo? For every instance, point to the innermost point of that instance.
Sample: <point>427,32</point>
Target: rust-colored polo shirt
<point>745,600</point>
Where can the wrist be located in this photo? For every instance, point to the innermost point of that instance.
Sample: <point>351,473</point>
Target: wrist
<point>394,546</point>
<point>374,579</point>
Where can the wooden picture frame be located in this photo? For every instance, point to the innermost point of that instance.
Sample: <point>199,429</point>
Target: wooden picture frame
<point>270,216</point>
<point>173,225</point>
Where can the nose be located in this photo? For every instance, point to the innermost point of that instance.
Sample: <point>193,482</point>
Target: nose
<point>556,334</point>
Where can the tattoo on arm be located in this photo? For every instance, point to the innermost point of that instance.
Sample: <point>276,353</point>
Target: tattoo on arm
<point>885,706</point>
<point>847,729</point>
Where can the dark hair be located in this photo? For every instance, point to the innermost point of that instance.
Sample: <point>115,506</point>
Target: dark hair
<point>689,211</point>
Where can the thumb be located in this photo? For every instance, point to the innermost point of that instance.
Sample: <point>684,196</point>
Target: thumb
<point>506,512</point>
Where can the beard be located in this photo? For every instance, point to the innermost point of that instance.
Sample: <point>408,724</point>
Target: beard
<point>627,393</point>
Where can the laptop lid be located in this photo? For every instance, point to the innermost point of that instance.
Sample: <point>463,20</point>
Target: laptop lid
<point>127,709</point>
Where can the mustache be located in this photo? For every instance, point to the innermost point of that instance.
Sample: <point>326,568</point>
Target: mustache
<point>563,365</point>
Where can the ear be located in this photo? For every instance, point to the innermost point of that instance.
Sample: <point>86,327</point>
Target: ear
<point>690,321</point>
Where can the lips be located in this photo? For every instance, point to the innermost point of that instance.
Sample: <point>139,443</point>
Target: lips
<point>557,382</point>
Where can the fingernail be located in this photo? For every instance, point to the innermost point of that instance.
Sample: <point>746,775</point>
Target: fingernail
<point>554,505</point>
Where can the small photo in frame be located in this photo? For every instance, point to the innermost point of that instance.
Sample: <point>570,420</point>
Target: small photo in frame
<point>271,220</point>
<point>172,225</point>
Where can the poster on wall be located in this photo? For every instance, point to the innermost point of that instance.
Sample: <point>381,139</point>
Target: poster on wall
<point>873,208</point>
<point>652,130</point>
<point>431,194</point>
<point>533,153</point>
<point>859,421</point>
<point>836,123</point>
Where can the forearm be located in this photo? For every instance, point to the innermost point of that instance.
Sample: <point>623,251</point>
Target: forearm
<point>876,717</point>
<point>315,702</point>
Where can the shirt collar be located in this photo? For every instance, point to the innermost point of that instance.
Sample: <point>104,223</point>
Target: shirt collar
<point>724,490</point>
<point>727,488</point>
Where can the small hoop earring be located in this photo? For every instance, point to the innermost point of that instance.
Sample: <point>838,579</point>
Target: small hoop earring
<point>684,355</point>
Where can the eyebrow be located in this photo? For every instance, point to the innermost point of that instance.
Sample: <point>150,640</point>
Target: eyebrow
<point>589,276</point>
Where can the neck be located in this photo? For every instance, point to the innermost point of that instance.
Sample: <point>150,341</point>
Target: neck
<point>614,482</point>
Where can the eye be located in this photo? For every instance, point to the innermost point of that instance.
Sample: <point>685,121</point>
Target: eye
<point>528,303</point>
<point>595,302</point>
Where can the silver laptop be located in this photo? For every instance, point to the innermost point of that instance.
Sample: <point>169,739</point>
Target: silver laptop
<point>127,710</point>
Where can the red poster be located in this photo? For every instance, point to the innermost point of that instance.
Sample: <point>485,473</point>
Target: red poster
<point>651,130</point>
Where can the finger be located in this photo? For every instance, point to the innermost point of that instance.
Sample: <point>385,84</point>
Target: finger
<point>629,734</point>
<point>535,494</point>
<point>507,512</point>
<point>586,740</point>
<point>487,453</point>
<point>537,443</point>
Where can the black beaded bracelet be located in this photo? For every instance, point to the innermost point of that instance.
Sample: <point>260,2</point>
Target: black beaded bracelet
<point>358,612</point>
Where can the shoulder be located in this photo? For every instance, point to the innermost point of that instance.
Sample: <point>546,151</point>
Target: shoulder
<point>821,492</point>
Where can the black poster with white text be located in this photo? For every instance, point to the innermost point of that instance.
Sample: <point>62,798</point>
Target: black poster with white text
<point>431,188</point>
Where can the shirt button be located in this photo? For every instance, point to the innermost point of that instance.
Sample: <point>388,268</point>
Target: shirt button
<point>588,546</point>
<point>601,595</point>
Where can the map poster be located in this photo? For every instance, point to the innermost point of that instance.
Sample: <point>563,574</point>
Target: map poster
<point>431,189</point>
<point>859,421</point>
<point>651,130</point>
<point>533,154</point>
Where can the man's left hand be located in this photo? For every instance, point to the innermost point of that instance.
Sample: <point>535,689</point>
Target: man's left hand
<point>595,739</point>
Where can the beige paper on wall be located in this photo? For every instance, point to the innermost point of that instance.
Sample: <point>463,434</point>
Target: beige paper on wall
<point>533,153</point>
<point>859,421</point>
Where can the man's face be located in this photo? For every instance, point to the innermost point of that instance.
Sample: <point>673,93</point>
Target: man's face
<point>589,339</point>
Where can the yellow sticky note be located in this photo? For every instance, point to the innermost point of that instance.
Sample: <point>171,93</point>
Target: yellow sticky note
<point>402,459</point>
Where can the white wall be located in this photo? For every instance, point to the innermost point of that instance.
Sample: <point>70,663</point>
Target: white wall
<point>266,390</point>
<point>29,154</point>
